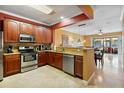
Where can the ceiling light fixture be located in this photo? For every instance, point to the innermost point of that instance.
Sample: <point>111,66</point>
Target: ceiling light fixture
<point>42,8</point>
<point>61,17</point>
<point>100,32</point>
<point>81,25</point>
<point>79,40</point>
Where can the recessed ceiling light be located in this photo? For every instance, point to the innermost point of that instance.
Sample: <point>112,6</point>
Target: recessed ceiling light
<point>81,25</point>
<point>61,17</point>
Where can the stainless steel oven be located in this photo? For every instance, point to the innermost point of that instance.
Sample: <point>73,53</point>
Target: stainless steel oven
<point>26,38</point>
<point>29,58</point>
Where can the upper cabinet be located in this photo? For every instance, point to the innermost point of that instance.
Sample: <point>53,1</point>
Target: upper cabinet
<point>11,31</point>
<point>39,35</point>
<point>26,28</point>
<point>48,35</point>
<point>43,35</point>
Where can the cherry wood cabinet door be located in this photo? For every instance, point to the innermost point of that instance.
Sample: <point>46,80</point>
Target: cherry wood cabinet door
<point>78,66</point>
<point>58,60</point>
<point>12,64</point>
<point>39,35</point>
<point>43,35</point>
<point>11,31</point>
<point>26,28</point>
<point>50,59</point>
<point>48,35</point>
<point>42,58</point>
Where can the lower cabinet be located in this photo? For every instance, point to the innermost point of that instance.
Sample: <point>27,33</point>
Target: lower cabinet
<point>55,59</point>
<point>50,58</point>
<point>78,66</point>
<point>12,64</point>
<point>42,58</point>
<point>58,60</point>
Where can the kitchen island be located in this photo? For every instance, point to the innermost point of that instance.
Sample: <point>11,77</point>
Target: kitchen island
<point>87,54</point>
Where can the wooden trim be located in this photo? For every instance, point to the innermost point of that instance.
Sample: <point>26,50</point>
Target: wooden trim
<point>2,16</point>
<point>7,16</point>
<point>70,21</point>
<point>88,10</point>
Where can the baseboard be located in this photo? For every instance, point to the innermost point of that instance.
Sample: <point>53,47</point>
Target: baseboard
<point>86,82</point>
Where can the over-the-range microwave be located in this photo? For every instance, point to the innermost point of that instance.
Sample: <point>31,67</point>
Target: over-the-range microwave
<point>26,38</point>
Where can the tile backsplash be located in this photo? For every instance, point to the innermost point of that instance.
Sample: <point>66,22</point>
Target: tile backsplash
<point>15,46</point>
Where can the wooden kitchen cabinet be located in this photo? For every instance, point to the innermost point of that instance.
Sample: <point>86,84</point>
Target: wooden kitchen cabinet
<point>42,58</point>
<point>48,35</point>
<point>78,66</point>
<point>55,59</point>
<point>11,64</point>
<point>11,31</point>
<point>39,35</point>
<point>43,35</point>
<point>50,58</point>
<point>26,28</point>
<point>58,60</point>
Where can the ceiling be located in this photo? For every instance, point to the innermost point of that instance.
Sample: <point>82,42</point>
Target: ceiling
<point>106,18</point>
<point>66,11</point>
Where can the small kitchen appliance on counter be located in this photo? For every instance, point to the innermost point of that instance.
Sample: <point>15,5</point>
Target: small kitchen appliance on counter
<point>9,49</point>
<point>45,47</point>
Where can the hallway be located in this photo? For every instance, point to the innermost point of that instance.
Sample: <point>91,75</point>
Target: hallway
<point>111,75</point>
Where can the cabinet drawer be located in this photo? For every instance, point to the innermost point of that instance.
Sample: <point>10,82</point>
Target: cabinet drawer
<point>12,56</point>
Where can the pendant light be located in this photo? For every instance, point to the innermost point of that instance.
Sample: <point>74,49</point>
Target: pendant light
<point>79,40</point>
<point>100,32</point>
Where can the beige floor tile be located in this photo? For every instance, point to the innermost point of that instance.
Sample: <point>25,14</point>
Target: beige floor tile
<point>43,77</point>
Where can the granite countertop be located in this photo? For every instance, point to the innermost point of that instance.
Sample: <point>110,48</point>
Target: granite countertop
<point>71,53</point>
<point>5,54</point>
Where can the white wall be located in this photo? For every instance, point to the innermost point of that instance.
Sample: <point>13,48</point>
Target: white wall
<point>122,19</point>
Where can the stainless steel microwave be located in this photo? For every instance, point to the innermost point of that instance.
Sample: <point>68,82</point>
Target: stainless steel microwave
<point>26,38</point>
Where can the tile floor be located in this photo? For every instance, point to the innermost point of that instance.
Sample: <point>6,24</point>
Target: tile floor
<point>43,77</point>
<point>111,75</point>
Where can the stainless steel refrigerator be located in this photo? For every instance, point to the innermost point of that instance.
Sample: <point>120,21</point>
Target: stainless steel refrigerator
<point>1,55</point>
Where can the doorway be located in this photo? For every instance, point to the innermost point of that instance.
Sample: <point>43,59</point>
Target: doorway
<point>109,45</point>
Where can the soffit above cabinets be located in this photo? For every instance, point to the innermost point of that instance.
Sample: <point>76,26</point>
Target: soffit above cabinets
<point>106,17</point>
<point>67,11</point>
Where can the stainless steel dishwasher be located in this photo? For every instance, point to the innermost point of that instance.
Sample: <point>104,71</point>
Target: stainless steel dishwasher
<point>68,63</point>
